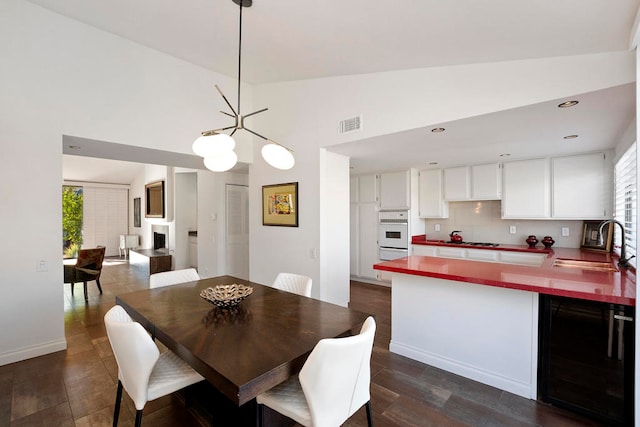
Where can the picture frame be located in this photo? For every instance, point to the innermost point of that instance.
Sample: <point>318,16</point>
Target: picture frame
<point>590,236</point>
<point>136,212</point>
<point>155,200</point>
<point>280,204</point>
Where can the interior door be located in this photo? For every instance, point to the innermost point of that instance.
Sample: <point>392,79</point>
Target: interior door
<point>237,231</point>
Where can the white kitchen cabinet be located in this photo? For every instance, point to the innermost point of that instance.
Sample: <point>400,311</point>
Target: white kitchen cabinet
<point>579,187</point>
<point>568,187</point>
<point>424,250</point>
<point>431,202</point>
<point>484,255</point>
<point>394,190</point>
<point>456,184</point>
<point>526,189</point>
<point>486,181</point>
<point>476,182</point>
<point>353,189</point>
<point>364,189</point>
<point>364,225</point>
<point>367,239</point>
<point>354,249</point>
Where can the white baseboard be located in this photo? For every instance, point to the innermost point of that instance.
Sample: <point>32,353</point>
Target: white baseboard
<point>503,383</point>
<point>31,352</point>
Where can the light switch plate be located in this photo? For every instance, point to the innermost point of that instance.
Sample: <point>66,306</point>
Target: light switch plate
<point>565,231</point>
<point>512,229</point>
<point>436,227</point>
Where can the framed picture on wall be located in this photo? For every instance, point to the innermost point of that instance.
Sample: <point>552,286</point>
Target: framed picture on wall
<point>591,238</point>
<point>136,212</point>
<point>280,204</point>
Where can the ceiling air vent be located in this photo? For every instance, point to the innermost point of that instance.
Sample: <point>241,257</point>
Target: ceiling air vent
<point>354,124</point>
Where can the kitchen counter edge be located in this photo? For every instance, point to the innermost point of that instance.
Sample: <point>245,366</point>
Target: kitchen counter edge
<point>618,287</point>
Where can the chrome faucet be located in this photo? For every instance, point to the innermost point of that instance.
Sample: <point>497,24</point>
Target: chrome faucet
<point>623,262</point>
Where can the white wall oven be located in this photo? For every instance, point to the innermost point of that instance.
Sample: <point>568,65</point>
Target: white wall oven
<point>393,234</point>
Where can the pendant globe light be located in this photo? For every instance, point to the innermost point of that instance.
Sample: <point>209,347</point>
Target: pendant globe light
<point>217,147</point>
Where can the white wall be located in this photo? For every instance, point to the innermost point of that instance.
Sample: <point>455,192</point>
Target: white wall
<point>136,189</point>
<point>58,77</point>
<point>307,112</point>
<point>334,229</point>
<point>274,249</point>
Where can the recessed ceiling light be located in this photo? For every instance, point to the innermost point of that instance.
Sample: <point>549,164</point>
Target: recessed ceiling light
<point>433,163</point>
<point>567,104</point>
<point>505,155</point>
<point>437,130</point>
<point>570,136</point>
<point>74,147</point>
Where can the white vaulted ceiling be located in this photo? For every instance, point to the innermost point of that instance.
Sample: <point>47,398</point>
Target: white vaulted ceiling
<point>296,39</point>
<point>285,40</point>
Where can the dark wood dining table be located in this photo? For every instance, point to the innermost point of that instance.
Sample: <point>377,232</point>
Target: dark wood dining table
<point>246,350</point>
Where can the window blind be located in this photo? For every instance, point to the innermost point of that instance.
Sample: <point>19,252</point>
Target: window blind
<point>626,201</point>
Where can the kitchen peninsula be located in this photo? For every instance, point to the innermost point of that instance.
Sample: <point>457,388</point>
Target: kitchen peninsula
<point>479,319</point>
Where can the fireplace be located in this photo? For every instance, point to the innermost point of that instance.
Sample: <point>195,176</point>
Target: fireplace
<point>159,240</point>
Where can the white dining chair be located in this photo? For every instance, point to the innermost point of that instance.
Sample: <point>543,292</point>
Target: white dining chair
<point>143,372</point>
<point>332,385</point>
<point>296,283</point>
<point>168,278</point>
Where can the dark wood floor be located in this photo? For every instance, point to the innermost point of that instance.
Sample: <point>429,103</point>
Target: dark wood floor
<point>77,387</point>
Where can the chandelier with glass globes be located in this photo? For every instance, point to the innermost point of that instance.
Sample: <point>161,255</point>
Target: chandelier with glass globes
<point>217,148</point>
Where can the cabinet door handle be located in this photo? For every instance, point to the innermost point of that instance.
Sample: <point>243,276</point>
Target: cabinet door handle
<point>621,317</point>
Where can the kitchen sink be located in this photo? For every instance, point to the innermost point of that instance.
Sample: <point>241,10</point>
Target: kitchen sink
<point>584,265</point>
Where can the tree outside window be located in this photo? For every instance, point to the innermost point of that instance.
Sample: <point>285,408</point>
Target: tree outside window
<point>71,220</point>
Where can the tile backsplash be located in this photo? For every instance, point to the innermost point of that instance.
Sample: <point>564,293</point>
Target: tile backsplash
<point>481,222</point>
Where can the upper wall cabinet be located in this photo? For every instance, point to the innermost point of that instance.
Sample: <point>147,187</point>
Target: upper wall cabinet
<point>431,197</point>
<point>486,181</point>
<point>579,187</point>
<point>457,185</point>
<point>476,182</point>
<point>364,189</point>
<point>394,190</point>
<point>569,187</point>
<point>526,189</point>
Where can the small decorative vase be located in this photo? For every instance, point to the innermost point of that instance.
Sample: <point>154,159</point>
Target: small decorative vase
<point>532,241</point>
<point>548,241</point>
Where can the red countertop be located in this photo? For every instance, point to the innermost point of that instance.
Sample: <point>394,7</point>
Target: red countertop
<point>615,287</point>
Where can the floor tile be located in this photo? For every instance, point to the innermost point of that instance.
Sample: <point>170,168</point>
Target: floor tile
<point>59,416</point>
<point>91,394</point>
<point>36,394</point>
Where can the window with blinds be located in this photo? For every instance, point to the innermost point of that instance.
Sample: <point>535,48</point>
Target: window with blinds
<point>626,201</point>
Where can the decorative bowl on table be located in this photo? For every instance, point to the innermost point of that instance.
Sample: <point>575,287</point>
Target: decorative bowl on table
<point>226,295</point>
